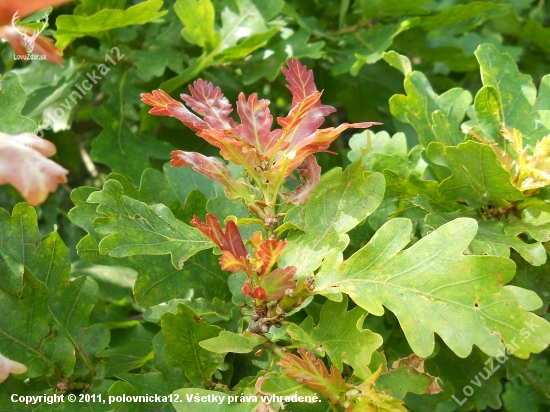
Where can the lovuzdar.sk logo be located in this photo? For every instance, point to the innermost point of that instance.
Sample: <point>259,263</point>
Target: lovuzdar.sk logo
<point>28,35</point>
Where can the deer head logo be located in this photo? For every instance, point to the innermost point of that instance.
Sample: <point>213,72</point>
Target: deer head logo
<point>29,39</point>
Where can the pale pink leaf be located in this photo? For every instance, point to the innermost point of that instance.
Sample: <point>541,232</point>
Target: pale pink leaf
<point>8,366</point>
<point>24,165</point>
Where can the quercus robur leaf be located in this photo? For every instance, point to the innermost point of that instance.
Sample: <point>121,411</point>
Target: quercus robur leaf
<point>198,19</point>
<point>73,27</point>
<point>477,177</point>
<point>492,240</point>
<point>475,371</point>
<point>341,200</point>
<point>158,280</point>
<point>62,304</point>
<point>433,287</point>
<point>117,140</point>
<point>246,19</point>
<point>339,333</point>
<point>183,332</point>
<point>12,101</point>
<point>232,342</point>
<point>25,165</point>
<point>313,372</point>
<point>134,228</point>
<point>507,99</point>
<point>435,118</point>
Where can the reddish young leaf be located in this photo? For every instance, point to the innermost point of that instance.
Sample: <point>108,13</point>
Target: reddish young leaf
<point>257,293</point>
<point>232,263</point>
<point>256,123</point>
<point>310,174</point>
<point>230,241</point>
<point>210,102</point>
<point>313,373</point>
<point>276,283</point>
<point>213,169</point>
<point>268,252</point>
<point>231,149</point>
<point>25,165</point>
<point>159,99</point>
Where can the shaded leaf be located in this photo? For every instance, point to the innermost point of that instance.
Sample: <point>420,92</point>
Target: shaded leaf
<point>183,332</point>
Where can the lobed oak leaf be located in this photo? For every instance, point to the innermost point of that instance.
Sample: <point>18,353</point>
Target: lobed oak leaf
<point>213,169</point>
<point>266,251</point>
<point>256,123</point>
<point>277,283</point>
<point>313,373</point>
<point>25,165</point>
<point>159,99</point>
<point>209,101</point>
<point>232,263</point>
<point>230,241</point>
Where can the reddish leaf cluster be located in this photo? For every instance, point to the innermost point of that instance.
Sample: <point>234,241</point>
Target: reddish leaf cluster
<point>268,156</point>
<point>263,284</point>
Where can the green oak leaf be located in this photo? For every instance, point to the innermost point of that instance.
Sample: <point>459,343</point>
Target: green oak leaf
<point>22,332</point>
<point>433,287</point>
<point>12,100</point>
<point>340,334</point>
<point>183,332</point>
<point>198,18</point>
<point>211,312</point>
<point>366,46</point>
<point>475,371</point>
<point>233,342</point>
<point>400,62</point>
<point>158,281</point>
<point>129,348</point>
<point>73,27</point>
<point>531,390</point>
<point>507,99</point>
<point>68,302</point>
<point>341,200</point>
<point>386,8</point>
<point>492,240</point>
<point>134,228</point>
<point>151,383</point>
<point>247,18</point>
<point>533,278</point>
<point>407,376</point>
<point>435,118</point>
<point>296,46</point>
<point>120,148</point>
<point>462,17</point>
<point>11,273</point>
<point>535,220</point>
<point>477,177</point>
